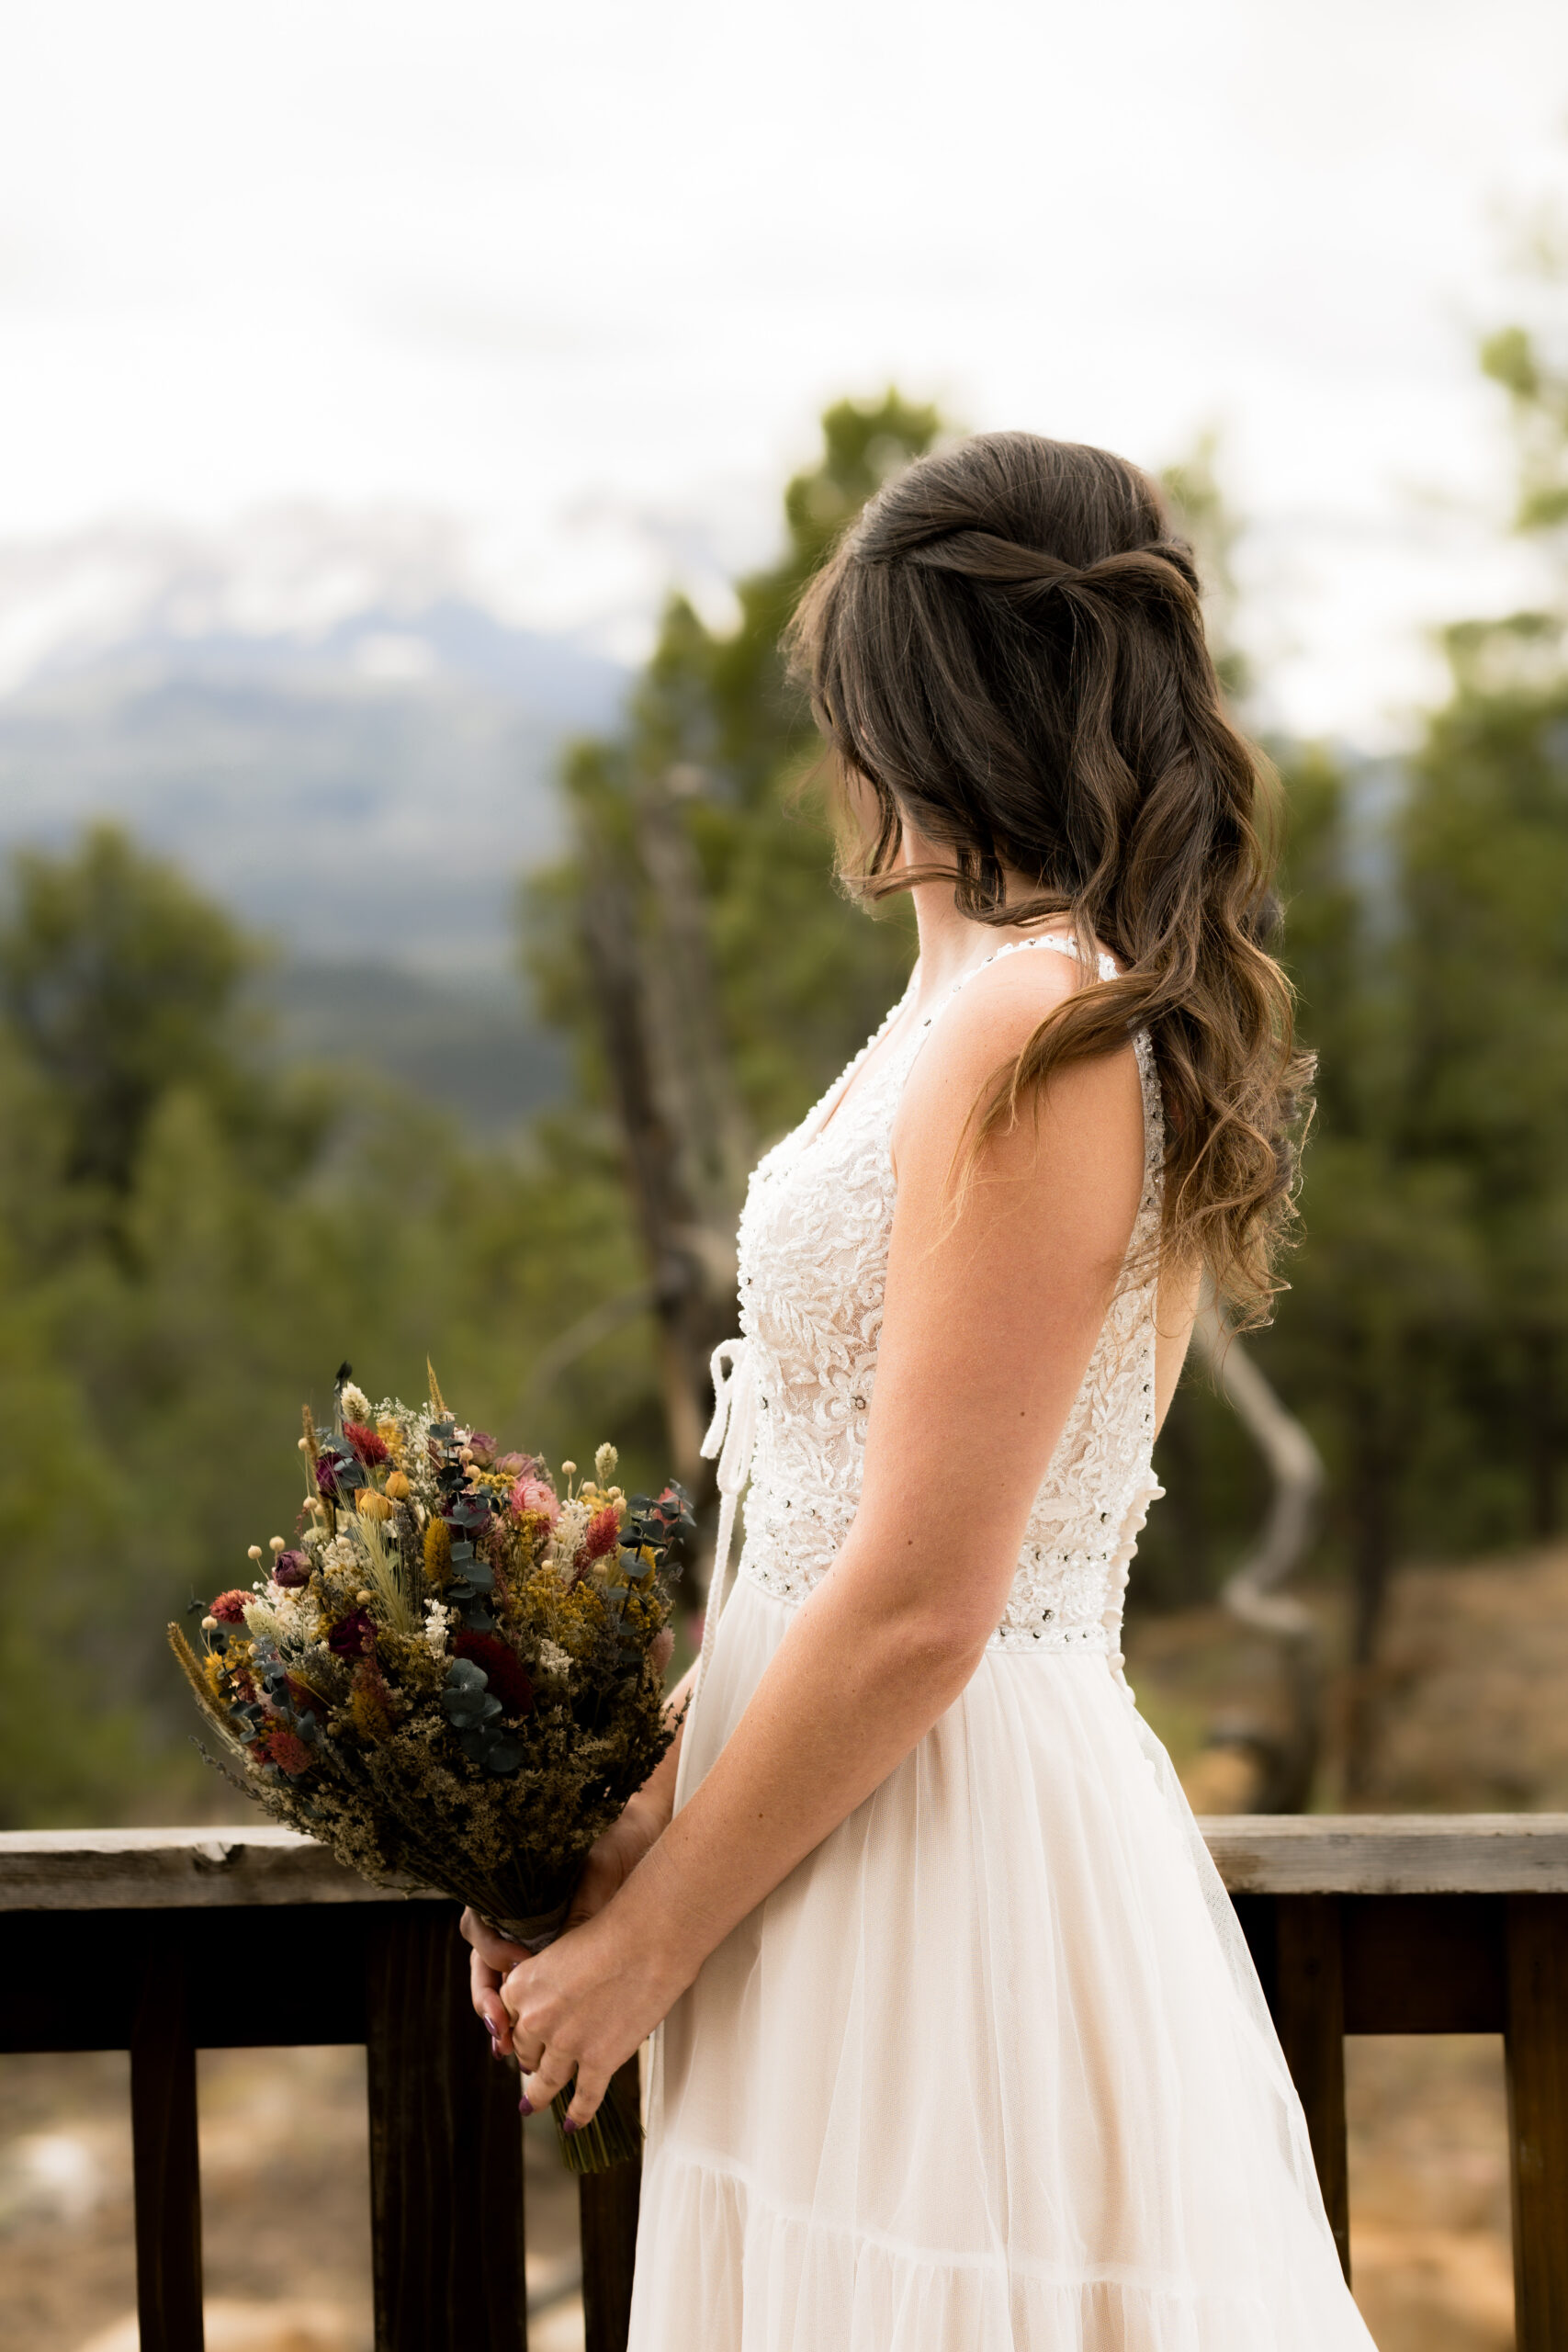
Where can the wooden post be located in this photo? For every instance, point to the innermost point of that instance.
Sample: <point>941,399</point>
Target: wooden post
<point>607,2205</point>
<point>445,2150</point>
<point>165,2150</point>
<point>1536,2047</point>
<point>1310,2015</point>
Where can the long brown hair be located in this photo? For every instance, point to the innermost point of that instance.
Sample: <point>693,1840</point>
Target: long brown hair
<point>1007,648</point>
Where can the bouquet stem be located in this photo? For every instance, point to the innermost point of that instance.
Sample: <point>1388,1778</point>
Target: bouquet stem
<point>611,2138</point>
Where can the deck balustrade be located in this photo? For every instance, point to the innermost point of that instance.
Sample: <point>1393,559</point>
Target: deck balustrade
<point>1359,1924</point>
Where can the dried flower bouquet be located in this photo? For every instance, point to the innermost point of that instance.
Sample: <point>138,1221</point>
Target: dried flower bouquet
<point>454,1676</point>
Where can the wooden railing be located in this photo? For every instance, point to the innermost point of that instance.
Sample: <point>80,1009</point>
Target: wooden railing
<point>216,1938</point>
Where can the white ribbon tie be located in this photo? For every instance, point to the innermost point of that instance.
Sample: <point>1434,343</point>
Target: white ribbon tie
<point>732,1436</point>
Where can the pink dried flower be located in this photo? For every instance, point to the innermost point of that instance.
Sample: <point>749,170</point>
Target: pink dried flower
<point>291,1568</point>
<point>537,1496</point>
<point>603,1535</point>
<point>230,1607</point>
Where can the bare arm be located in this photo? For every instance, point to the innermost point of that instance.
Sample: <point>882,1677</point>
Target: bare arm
<point>990,1324</point>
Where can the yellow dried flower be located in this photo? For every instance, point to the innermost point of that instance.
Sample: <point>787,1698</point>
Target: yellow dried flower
<point>438,1553</point>
<point>370,1505</point>
<point>398,1487</point>
<point>367,1709</point>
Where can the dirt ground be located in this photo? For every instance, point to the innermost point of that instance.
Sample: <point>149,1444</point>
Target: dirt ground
<point>1470,1693</point>
<point>285,2207</point>
<point>1467,1696</point>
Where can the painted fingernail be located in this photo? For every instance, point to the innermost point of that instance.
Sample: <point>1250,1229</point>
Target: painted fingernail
<point>569,2124</point>
<point>524,2105</point>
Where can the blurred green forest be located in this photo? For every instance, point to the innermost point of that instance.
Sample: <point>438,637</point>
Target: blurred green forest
<point>191,1240</point>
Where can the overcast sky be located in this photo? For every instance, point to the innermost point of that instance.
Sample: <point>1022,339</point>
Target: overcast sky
<point>554,295</point>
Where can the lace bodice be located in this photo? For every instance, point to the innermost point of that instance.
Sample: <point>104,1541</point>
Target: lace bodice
<point>814,1241</point>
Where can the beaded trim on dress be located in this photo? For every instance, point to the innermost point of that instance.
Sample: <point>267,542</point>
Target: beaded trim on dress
<point>813,1245</point>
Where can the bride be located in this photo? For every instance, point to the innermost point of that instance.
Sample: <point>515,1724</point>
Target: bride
<point>956,2045</point>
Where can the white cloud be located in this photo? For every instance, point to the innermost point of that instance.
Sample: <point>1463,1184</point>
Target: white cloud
<point>581,277</point>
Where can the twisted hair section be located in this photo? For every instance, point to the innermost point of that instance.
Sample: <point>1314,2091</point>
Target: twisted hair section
<point>1008,652</point>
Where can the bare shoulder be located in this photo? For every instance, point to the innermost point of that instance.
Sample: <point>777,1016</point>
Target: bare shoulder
<point>1097,1106</point>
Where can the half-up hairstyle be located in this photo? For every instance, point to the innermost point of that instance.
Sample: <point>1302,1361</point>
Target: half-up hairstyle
<point>1007,648</point>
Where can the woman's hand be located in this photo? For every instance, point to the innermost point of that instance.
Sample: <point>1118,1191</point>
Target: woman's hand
<point>492,1959</point>
<point>588,2002</point>
<point>611,1861</point>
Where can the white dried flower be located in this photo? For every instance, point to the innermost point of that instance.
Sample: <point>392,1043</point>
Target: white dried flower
<point>283,1613</point>
<point>604,1463</point>
<point>413,1428</point>
<point>340,1553</point>
<point>355,1404</point>
<point>553,1659</point>
<point>437,1618</point>
<point>566,1537</point>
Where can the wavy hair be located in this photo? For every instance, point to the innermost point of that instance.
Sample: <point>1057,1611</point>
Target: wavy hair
<point>1007,648</point>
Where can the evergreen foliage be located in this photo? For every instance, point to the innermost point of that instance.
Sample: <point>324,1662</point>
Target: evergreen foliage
<point>165,1307</point>
<point>188,1245</point>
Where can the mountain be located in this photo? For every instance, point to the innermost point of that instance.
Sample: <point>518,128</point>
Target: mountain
<point>366,792</point>
<point>468,1047</point>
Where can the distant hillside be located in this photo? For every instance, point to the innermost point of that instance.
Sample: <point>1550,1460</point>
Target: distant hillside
<point>366,792</point>
<point>470,1048</point>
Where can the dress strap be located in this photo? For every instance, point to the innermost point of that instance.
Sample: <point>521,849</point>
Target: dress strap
<point>1064,944</point>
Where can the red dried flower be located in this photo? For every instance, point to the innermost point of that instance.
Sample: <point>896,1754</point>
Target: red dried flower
<point>229,1608</point>
<point>287,1750</point>
<point>507,1674</point>
<point>352,1636</point>
<point>367,1444</point>
<point>603,1533</point>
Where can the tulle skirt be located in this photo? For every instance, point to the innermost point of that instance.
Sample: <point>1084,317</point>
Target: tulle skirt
<point>990,2071</point>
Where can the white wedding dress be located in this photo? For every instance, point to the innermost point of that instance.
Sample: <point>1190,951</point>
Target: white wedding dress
<point>990,2071</point>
